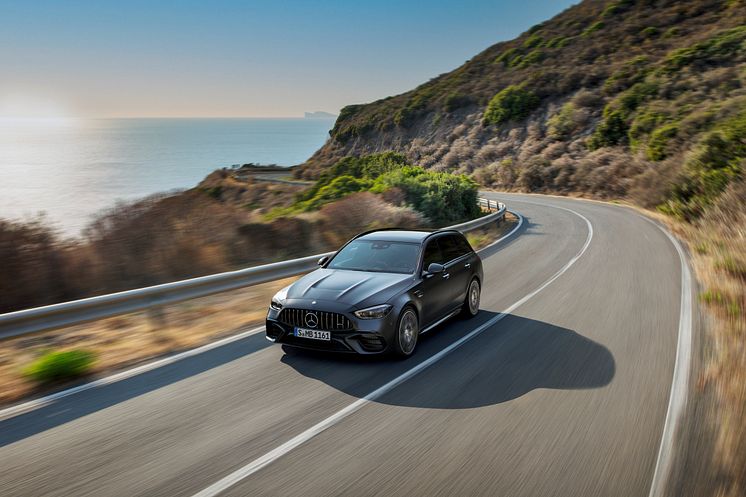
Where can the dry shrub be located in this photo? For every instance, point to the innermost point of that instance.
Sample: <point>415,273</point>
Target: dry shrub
<point>459,151</point>
<point>718,240</point>
<point>363,211</point>
<point>488,153</point>
<point>606,172</point>
<point>458,131</point>
<point>586,98</point>
<point>33,265</point>
<point>653,186</point>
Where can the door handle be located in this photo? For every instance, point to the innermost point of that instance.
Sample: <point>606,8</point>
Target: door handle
<point>446,276</point>
<point>468,264</point>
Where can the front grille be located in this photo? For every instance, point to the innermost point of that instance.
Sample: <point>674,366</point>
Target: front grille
<point>327,321</point>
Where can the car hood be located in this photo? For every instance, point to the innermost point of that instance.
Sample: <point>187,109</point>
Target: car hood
<point>348,287</point>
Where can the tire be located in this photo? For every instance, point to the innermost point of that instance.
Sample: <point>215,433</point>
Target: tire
<point>407,331</point>
<point>471,303</point>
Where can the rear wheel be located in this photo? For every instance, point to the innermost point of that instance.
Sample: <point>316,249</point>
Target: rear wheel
<point>471,304</point>
<point>407,331</point>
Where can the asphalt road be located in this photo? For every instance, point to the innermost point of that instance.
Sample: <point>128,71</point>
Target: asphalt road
<point>565,395</point>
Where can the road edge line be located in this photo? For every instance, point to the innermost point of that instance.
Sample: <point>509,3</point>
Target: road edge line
<point>682,369</point>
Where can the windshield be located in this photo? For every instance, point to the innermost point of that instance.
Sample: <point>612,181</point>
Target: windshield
<point>379,256</point>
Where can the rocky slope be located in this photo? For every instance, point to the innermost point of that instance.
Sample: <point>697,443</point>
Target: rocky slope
<point>606,98</point>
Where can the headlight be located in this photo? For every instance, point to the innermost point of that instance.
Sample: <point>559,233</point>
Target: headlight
<point>375,312</point>
<point>279,299</point>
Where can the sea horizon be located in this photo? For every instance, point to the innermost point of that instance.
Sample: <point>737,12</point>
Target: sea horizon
<point>72,169</point>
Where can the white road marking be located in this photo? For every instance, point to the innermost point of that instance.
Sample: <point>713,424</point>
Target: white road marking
<point>680,382</point>
<point>271,456</point>
<point>16,410</point>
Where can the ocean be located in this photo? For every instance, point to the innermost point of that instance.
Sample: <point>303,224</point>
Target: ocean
<point>72,169</point>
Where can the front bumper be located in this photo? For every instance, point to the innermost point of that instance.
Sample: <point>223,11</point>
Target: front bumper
<point>367,336</point>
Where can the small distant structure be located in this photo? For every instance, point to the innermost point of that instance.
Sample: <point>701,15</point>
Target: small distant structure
<point>319,115</point>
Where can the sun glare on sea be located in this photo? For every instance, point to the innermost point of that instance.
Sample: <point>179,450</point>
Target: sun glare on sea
<point>26,111</point>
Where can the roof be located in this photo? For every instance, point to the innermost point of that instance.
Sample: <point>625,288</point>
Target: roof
<point>397,235</point>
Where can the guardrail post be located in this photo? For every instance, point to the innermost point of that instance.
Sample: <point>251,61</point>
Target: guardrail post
<point>157,319</point>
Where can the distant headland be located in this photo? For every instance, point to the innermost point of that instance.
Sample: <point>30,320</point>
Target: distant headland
<point>319,115</point>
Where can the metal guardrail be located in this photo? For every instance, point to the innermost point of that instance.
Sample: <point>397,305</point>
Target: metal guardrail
<point>80,311</point>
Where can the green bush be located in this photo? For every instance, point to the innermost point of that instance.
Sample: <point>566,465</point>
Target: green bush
<point>596,26</point>
<point>565,41</point>
<point>338,188</point>
<point>643,124</point>
<point>57,366</point>
<point>555,42</point>
<point>650,32</point>
<point>640,92</point>
<point>659,141</point>
<point>533,57</point>
<point>672,32</point>
<point>561,124</point>
<point>443,198</point>
<point>719,158</point>
<point>611,131</point>
<point>719,48</point>
<point>369,166</point>
<point>455,101</point>
<point>506,57</point>
<point>513,102</point>
<point>405,117</point>
<point>616,8</point>
<point>533,41</point>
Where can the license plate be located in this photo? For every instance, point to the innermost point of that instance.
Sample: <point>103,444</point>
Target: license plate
<point>313,334</point>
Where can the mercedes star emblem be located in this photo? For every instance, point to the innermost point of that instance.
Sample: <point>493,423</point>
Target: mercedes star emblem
<point>312,320</point>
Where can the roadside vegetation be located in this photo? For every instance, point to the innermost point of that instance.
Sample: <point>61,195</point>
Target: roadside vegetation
<point>439,197</point>
<point>229,221</point>
<point>58,366</point>
<point>619,100</point>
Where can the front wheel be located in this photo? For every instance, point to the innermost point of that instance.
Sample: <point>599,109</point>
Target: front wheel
<point>471,304</point>
<point>407,331</point>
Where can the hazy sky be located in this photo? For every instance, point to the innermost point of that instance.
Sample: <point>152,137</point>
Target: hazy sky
<point>131,58</point>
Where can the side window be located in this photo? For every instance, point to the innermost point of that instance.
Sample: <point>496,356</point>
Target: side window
<point>451,247</point>
<point>432,254</point>
<point>464,245</point>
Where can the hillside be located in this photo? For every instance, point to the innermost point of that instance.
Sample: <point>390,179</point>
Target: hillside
<point>643,101</point>
<point>603,99</point>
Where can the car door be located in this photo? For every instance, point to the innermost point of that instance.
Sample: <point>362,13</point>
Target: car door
<point>433,291</point>
<point>458,267</point>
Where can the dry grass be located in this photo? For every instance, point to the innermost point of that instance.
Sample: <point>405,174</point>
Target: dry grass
<point>480,238</point>
<point>130,339</point>
<point>717,245</point>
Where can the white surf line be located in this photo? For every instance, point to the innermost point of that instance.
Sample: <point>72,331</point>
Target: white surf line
<point>271,456</point>
<point>13,411</point>
<point>680,382</point>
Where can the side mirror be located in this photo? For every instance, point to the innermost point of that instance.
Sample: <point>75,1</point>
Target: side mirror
<point>435,268</point>
<point>323,260</point>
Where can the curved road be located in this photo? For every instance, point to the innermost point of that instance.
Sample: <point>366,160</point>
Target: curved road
<point>563,395</point>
